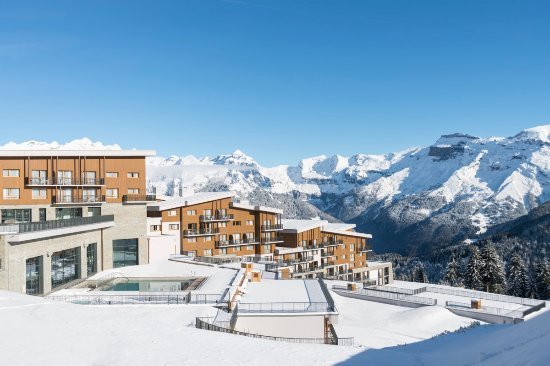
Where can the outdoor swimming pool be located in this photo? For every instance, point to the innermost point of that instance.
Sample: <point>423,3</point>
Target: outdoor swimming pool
<point>153,285</point>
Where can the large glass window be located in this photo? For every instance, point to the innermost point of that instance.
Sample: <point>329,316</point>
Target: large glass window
<point>33,275</point>
<point>91,259</point>
<point>16,215</point>
<point>125,252</point>
<point>65,266</point>
<point>68,212</point>
<point>94,211</point>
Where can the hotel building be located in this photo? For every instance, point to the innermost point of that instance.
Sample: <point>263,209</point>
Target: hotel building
<point>68,214</point>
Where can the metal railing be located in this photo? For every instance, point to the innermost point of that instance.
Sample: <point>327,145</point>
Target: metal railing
<point>216,217</point>
<point>139,198</point>
<point>323,244</point>
<point>197,232</point>
<point>80,199</point>
<point>286,307</point>
<point>138,299</point>
<point>406,291</point>
<point>217,260</point>
<point>388,295</point>
<point>272,227</point>
<point>483,295</point>
<point>272,239</point>
<point>209,324</point>
<point>56,181</point>
<point>224,243</point>
<point>485,309</point>
<point>27,227</point>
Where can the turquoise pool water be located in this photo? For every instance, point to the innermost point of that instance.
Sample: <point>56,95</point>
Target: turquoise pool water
<point>152,285</point>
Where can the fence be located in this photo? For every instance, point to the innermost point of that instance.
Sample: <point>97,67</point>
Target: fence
<point>28,227</point>
<point>138,299</point>
<point>285,307</point>
<point>485,309</point>
<point>406,291</point>
<point>204,323</point>
<point>484,295</point>
<point>218,260</point>
<point>389,295</point>
<point>327,294</point>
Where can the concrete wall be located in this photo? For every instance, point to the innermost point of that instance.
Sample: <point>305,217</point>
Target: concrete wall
<point>161,246</point>
<point>381,300</point>
<point>287,325</point>
<point>489,318</point>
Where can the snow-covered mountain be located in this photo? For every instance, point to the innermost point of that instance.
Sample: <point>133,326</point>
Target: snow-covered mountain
<point>412,201</point>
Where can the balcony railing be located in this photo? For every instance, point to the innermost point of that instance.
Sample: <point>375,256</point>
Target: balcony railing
<point>28,227</point>
<point>56,181</point>
<point>285,307</point>
<point>323,244</point>
<point>227,243</point>
<point>199,232</point>
<point>272,227</point>
<point>217,217</point>
<point>139,198</point>
<point>81,200</point>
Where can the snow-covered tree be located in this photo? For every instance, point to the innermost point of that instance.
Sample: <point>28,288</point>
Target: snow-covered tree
<point>472,277</point>
<point>492,270</point>
<point>518,284</point>
<point>452,274</point>
<point>419,275</point>
<point>542,280</point>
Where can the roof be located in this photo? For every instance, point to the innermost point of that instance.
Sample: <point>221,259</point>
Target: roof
<point>247,206</point>
<point>338,226</point>
<point>298,226</point>
<point>275,291</point>
<point>72,153</point>
<point>348,233</point>
<point>190,200</point>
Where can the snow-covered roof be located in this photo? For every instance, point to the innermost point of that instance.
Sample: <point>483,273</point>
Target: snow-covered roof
<point>193,199</point>
<point>298,226</point>
<point>248,206</point>
<point>270,291</point>
<point>348,233</point>
<point>338,226</point>
<point>96,153</point>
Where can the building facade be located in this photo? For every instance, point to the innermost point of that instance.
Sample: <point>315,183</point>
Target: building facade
<point>213,226</point>
<point>68,214</point>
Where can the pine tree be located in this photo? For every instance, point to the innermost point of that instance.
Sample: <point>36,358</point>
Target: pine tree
<point>518,284</point>
<point>492,270</point>
<point>452,275</point>
<point>419,275</point>
<point>472,277</point>
<point>542,280</point>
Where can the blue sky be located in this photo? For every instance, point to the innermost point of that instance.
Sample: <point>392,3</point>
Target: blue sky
<point>280,80</point>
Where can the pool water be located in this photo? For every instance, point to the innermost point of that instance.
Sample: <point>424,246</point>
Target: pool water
<point>149,285</point>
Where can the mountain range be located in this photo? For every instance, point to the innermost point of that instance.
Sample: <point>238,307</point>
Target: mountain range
<point>412,201</point>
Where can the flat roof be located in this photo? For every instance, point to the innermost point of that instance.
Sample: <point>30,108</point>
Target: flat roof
<point>348,233</point>
<point>338,226</point>
<point>96,153</point>
<point>248,206</point>
<point>298,226</point>
<point>269,291</point>
<point>190,200</point>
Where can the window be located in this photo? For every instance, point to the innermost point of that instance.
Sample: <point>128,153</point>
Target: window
<point>64,177</point>
<point>191,212</point>
<point>352,257</point>
<point>208,252</point>
<point>236,223</point>
<point>154,228</point>
<point>222,224</point>
<point>250,222</point>
<point>133,190</point>
<point>125,252</point>
<point>207,238</point>
<point>223,250</point>
<point>88,195</point>
<point>38,194</point>
<point>91,259</point>
<point>88,178</point>
<point>250,247</point>
<point>111,174</point>
<point>16,215</point>
<point>41,214</point>
<point>39,177</point>
<point>266,248</point>
<point>174,226</point>
<point>94,211</point>
<point>352,247</point>
<point>33,275</point>
<point>11,172</point>
<point>207,212</point>
<point>133,175</point>
<point>112,192</point>
<point>172,213</point>
<point>68,213</point>
<point>192,240</point>
<point>11,193</point>
<point>65,266</point>
<point>343,256</point>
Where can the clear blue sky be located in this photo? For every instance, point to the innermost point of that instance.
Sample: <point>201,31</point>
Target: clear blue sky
<point>280,80</point>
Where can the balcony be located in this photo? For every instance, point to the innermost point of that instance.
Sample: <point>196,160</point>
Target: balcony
<point>53,181</point>
<point>272,240</point>
<point>236,242</point>
<point>328,255</point>
<point>30,227</point>
<point>272,227</point>
<point>72,200</point>
<point>217,217</point>
<point>200,232</point>
<point>138,198</point>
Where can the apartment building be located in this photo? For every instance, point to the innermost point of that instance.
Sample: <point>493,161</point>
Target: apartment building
<point>68,214</point>
<point>214,226</point>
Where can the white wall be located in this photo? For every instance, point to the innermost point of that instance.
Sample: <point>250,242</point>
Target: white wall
<point>161,246</point>
<point>301,326</point>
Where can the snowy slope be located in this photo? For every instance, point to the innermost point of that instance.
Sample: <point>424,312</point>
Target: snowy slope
<point>447,192</point>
